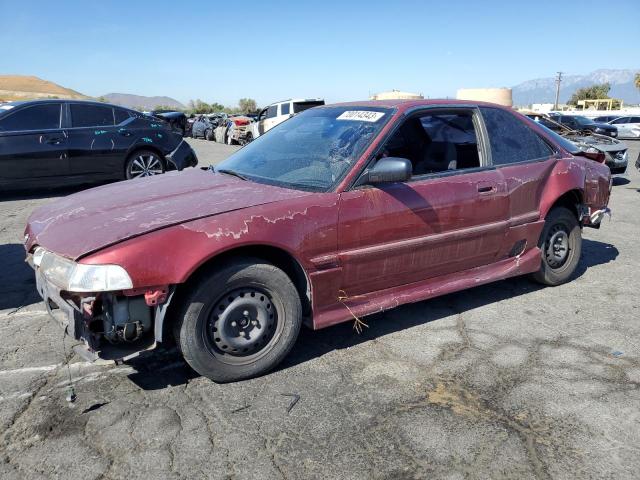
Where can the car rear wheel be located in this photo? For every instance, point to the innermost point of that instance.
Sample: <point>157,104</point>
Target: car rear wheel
<point>561,244</point>
<point>240,321</point>
<point>144,163</point>
<point>208,135</point>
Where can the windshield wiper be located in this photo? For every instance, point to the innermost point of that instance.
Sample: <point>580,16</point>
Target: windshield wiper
<point>231,172</point>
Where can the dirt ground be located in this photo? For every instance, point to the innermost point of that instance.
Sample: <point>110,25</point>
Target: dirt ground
<point>509,380</point>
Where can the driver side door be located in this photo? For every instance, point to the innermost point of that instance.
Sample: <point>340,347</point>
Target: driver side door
<point>434,224</point>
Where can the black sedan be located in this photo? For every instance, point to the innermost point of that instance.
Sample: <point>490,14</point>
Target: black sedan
<point>581,124</point>
<point>63,142</point>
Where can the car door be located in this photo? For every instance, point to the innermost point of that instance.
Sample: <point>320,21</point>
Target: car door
<point>270,120</point>
<point>525,161</point>
<point>95,146</point>
<point>443,220</point>
<point>33,144</point>
<point>258,127</point>
<point>622,124</point>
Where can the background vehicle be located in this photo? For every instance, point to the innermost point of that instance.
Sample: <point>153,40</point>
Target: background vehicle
<point>177,120</point>
<point>605,118</point>
<point>297,226</point>
<point>580,124</point>
<point>234,130</point>
<point>62,142</point>
<point>614,151</point>
<point>628,127</point>
<point>278,112</point>
<point>204,127</point>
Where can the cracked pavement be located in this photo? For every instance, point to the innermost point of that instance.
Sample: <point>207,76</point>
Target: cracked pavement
<point>508,380</point>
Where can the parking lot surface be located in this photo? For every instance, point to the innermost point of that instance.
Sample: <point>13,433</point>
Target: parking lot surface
<point>508,380</point>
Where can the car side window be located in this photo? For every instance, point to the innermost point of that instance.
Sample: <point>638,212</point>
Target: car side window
<point>91,115</point>
<point>634,120</point>
<point>121,115</point>
<point>436,143</point>
<point>272,111</point>
<point>620,121</point>
<point>285,108</point>
<point>512,141</point>
<point>37,117</point>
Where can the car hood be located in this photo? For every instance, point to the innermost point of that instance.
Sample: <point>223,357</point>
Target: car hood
<point>88,221</point>
<point>600,142</point>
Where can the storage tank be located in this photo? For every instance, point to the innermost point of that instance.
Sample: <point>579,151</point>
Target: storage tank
<point>501,96</point>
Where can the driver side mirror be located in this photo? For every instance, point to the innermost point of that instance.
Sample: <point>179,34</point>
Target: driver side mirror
<point>387,170</point>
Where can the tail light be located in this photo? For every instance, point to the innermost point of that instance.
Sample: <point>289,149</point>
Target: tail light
<point>240,122</point>
<point>594,154</point>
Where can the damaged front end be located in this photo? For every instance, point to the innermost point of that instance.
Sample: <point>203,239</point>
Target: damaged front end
<point>96,305</point>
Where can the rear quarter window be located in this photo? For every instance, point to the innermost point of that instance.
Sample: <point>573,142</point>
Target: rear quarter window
<point>511,140</point>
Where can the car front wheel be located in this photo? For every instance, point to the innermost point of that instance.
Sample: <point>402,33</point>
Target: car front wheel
<point>561,244</point>
<point>144,163</point>
<point>240,321</point>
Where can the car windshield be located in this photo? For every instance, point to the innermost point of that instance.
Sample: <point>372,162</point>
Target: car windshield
<point>311,151</point>
<point>583,120</point>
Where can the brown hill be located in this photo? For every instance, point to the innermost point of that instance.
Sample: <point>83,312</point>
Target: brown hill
<point>22,87</point>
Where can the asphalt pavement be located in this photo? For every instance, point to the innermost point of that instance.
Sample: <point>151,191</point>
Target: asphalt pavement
<point>508,380</point>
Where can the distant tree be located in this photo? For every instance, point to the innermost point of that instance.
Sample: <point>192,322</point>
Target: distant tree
<point>590,93</point>
<point>101,99</point>
<point>636,80</point>
<point>167,108</point>
<point>247,105</point>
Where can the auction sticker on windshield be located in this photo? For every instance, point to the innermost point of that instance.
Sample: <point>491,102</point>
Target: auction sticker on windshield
<point>361,115</point>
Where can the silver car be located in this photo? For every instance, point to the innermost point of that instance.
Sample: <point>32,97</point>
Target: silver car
<point>628,127</point>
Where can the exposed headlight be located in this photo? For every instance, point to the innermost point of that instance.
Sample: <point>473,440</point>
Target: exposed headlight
<point>79,277</point>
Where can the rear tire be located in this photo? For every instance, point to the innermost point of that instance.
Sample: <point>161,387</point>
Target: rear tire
<point>209,135</point>
<point>239,321</point>
<point>144,163</point>
<point>561,245</point>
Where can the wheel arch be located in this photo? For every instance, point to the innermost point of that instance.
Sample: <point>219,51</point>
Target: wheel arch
<point>571,199</point>
<point>271,254</point>
<point>168,165</point>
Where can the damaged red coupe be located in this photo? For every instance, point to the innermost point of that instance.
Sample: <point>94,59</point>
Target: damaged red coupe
<point>344,210</point>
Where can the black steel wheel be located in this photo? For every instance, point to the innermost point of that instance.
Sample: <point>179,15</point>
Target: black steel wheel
<point>560,244</point>
<point>239,321</point>
<point>208,135</point>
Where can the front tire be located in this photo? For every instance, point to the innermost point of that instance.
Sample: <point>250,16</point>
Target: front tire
<point>144,163</point>
<point>239,321</point>
<point>561,245</point>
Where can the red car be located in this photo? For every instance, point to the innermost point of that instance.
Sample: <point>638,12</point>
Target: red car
<point>340,212</point>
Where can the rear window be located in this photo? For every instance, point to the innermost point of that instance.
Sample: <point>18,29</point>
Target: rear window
<point>302,106</point>
<point>511,140</point>
<point>37,117</point>
<point>91,115</point>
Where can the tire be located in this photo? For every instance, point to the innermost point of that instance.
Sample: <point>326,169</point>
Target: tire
<point>561,245</point>
<point>144,163</point>
<point>248,138</point>
<point>208,135</point>
<point>240,321</point>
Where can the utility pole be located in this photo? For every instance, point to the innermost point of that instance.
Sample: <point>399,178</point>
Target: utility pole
<point>558,81</point>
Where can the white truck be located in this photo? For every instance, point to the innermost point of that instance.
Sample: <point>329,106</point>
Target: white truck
<point>278,112</point>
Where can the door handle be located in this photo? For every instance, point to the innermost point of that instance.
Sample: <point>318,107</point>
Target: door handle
<point>54,140</point>
<point>124,133</point>
<point>487,189</point>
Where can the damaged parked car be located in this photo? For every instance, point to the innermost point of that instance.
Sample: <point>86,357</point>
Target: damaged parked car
<point>64,142</point>
<point>612,151</point>
<point>340,212</point>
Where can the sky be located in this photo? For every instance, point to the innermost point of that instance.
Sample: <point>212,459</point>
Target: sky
<point>337,50</point>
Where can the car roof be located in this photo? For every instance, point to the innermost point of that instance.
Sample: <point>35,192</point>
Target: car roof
<point>407,104</point>
<point>69,100</point>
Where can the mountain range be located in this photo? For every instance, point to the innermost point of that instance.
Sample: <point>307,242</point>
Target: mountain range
<point>24,87</point>
<point>543,90</point>
<point>140,102</point>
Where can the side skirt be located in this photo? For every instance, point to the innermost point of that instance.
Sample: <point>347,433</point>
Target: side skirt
<point>382,300</point>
